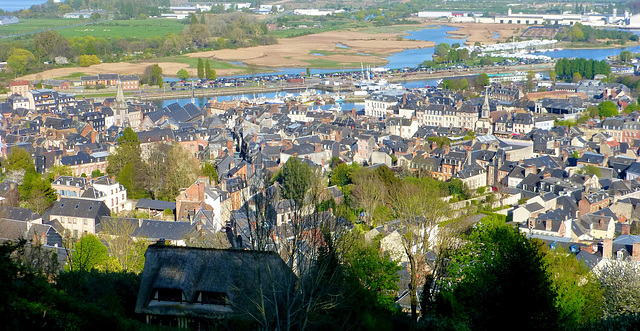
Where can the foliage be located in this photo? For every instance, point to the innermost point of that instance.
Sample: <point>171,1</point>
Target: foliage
<point>183,74</point>
<point>88,60</point>
<point>208,72</point>
<point>634,106</point>
<point>20,61</point>
<point>295,180</point>
<point>566,68</point>
<point>440,141</point>
<point>607,109</point>
<point>620,282</point>
<point>89,253</point>
<point>209,170</point>
<point>97,173</point>
<point>18,159</point>
<point>200,68</point>
<point>578,295</point>
<point>593,170</point>
<point>499,270</point>
<point>152,76</point>
<point>342,174</point>
<point>127,166</point>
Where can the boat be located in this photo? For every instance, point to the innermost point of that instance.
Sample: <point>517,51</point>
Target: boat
<point>320,101</point>
<point>338,98</point>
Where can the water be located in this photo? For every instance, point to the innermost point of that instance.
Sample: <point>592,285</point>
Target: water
<point>200,102</point>
<point>414,57</point>
<point>14,5</point>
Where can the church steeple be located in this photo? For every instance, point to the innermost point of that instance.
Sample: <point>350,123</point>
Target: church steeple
<point>486,108</point>
<point>120,108</point>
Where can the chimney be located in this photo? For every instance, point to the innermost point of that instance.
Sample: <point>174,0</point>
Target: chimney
<point>607,248</point>
<point>548,224</point>
<point>636,251</point>
<point>198,226</point>
<point>626,229</point>
<point>318,148</point>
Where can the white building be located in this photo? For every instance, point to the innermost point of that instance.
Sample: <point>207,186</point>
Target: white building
<point>115,195</point>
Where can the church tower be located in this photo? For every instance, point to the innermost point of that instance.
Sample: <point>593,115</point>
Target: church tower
<point>120,108</point>
<point>486,108</point>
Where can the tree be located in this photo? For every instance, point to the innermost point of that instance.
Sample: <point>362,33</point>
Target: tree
<point>209,170</point>
<point>88,60</point>
<point>576,77</point>
<point>194,19</point>
<point>202,19</point>
<point>607,109</point>
<point>418,220</point>
<point>20,61</point>
<point>482,80</point>
<point>128,253</point>
<point>625,56</point>
<point>620,282</point>
<point>18,159</point>
<point>209,73</point>
<point>553,76</point>
<point>182,74</point>
<point>578,294</point>
<point>369,193</point>
<point>295,180</point>
<point>530,84</point>
<point>156,76</point>
<point>96,173</point>
<point>49,44</point>
<point>499,269</point>
<point>89,253</point>
<point>200,69</point>
<point>127,166</point>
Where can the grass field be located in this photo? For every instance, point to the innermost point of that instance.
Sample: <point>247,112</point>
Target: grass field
<point>35,24</point>
<point>294,31</point>
<point>126,29</point>
<point>329,64</point>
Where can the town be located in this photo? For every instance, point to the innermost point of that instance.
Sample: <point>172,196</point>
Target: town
<point>487,184</point>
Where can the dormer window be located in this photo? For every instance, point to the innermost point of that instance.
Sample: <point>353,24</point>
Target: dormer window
<point>213,298</point>
<point>168,294</point>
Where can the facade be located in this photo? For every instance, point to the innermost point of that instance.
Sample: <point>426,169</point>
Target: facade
<point>20,87</point>
<point>78,216</point>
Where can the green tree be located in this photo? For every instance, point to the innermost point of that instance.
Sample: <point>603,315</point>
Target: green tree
<point>295,180</point>
<point>20,61</point>
<point>209,73</point>
<point>530,84</point>
<point>89,253</point>
<point>202,19</point>
<point>625,56</point>
<point>194,19</point>
<point>499,270</point>
<point>182,74</point>
<point>578,294</point>
<point>88,60</point>
<point>18,159</point>
<point>209,170</point>
<point>607,109</point>
<point>127,166</point>
<point>553,76</point>
<point>577,77</point>
<point>634,106</point>
<point>481,81</point>
<point>96,173</point>
<point>200,69</point>
<point>156,76</point>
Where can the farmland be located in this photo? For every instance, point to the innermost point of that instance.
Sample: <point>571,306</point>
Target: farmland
<point>126,29</point>
<point>36,24</point>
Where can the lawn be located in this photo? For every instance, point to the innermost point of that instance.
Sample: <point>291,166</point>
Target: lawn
<point>126,29</point>
<point>329,64</point>
<point>36,24</point>
<point>324,26</point>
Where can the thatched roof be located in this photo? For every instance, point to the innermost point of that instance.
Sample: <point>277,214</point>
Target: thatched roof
<point>238,273</point>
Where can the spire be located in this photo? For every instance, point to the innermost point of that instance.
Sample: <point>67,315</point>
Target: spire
<point>486,108</point>
<point>120,107</point>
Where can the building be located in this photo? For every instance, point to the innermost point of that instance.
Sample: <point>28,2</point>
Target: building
<point>85,13</point>
<point>6,20</point>
<point>20,87</point>
<point>192,287</point>
<point>78,216</point>
<point>129,82</point>
<point>50,100</point>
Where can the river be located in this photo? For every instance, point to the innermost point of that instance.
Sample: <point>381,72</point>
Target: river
<point>14,5</point>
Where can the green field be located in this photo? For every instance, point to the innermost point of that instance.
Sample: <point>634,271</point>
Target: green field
<point>35,24</point>
<point>295,31</point>
<point>126,29</point>
<point>329,64</point>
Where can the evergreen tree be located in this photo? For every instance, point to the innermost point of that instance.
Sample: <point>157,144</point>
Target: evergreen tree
<point>194,19</point>
<point>200,69</point>
<point>209,73</point>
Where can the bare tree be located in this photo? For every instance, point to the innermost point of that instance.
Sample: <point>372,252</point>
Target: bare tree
<point>369,193</point>
<point>419,208</point>
<point>127,251</point>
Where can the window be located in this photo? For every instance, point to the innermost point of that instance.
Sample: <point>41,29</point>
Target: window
<point>168,294</point>
<point>75,233</point>
<point>85,221</point>
<point>213,298</point>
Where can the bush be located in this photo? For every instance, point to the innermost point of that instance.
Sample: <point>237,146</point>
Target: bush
<point>88,60</point>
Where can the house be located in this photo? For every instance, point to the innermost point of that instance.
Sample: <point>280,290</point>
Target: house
<point>6,20</point>
<point>78,216</point>
<point>593,202</point>
<point>193,287</point>
<point>20,87</point>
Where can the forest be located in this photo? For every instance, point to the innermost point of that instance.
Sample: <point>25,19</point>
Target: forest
<point>576,69</point>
